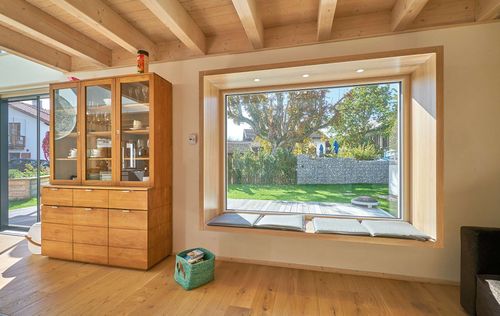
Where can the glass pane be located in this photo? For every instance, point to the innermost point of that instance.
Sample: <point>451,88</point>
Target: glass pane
<point>98,129</point>
<point>135,131</point>
<point>23,150</point>
<point>329,151</point>
<point>65,135</point>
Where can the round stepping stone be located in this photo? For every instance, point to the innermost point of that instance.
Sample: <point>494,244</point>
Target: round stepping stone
<point>366,201</point>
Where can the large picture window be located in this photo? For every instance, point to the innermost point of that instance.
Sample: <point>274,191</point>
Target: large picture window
<point>334,151</point>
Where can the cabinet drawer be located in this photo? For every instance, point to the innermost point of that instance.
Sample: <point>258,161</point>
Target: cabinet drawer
<point>90,198</point>
<point>90,217</point>
<point>129,258</point>
<point>90,235</point>
<point>57,249</point>
<point>57,196</point>
<point>57,232</point>
<point>128,238</point>
<point>57,214</point>
<point>128,199</point>
<point>128,219</point>
<point>90,253</point>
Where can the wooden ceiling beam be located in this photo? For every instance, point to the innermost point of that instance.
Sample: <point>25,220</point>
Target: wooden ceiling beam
<point>487,10</point>
<point>106,21</point>
<point>325,19</point>
<point>30,20</point>
<point>21,45</point>
<point>173,15</point>
<point>405,12</point>
<point>247,12</point>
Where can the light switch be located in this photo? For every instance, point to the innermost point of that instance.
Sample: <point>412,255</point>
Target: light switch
<point>192,139</point>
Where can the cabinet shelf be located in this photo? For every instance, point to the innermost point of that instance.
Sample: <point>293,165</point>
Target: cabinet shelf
<point>138,158</point>
<point>99,133</point>
<point>136,131</point>
<point>98,158</point>
<point>66,159</point>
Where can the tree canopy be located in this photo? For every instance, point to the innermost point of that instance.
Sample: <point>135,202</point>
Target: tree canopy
<point>368,110</point>
<point>283,118</point>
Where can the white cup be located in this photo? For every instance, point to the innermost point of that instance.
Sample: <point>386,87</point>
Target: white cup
<point>137,124</point>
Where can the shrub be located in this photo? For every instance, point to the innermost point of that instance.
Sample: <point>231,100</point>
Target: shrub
<point>28,172</point>
<point>260,167</point>
<point>360,152</point>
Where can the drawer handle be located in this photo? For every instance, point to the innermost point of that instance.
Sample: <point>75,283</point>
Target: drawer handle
<point>54,206</point>
<point>126,191</point>
<point>87,209</point>
<point>88,190</point>
<point>126,211</point>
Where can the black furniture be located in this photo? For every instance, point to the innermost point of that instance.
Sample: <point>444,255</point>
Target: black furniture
<point>480,270</point>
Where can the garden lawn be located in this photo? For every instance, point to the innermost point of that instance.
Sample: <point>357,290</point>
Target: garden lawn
<point>334,193</point>
<point>13,205</point>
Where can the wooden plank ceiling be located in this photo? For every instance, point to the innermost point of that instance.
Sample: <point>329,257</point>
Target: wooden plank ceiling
<point>96,34</point>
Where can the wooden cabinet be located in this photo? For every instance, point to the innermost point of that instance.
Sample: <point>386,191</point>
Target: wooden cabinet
<point>109,200</point>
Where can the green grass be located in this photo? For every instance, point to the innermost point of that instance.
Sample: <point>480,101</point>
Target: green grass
<point>335,193</point>
<point>22,203</point>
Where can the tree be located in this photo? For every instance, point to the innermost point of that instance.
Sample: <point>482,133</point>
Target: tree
<point>283,118</point>
<point>367,109</point>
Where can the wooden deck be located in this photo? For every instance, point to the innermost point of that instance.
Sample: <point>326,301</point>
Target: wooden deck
<point>36,285</point>
<point>318,208</point>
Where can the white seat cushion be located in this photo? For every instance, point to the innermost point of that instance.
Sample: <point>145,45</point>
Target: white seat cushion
<point>285,222</point>
<point>234,220</point>
<point>396,229</point>
<point>324,225</point>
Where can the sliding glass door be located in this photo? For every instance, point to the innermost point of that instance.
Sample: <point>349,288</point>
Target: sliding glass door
<point>25,154</point>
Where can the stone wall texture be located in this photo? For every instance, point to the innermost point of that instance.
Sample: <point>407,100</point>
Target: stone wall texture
<point>323,170</point>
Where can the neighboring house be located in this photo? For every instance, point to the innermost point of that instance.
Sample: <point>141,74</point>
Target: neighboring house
<point>22,130</point>
<point>318,139</point>
<point>247,143</point>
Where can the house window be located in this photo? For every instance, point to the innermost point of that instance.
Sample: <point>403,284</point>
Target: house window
<point>326,150</point>
<point>16,141</point>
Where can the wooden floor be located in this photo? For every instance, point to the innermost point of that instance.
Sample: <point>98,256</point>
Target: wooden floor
<point>32,285</point>
<point>317,208</point>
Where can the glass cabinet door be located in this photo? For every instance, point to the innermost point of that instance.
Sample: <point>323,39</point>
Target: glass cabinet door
<point>135,130</point>
<point>64,131</point>
<point>98,137</point>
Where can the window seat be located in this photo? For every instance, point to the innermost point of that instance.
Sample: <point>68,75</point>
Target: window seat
<point>371,231</point>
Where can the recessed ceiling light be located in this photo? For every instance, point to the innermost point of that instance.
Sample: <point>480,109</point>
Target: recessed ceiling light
<point>305,76</point>
<point>360,70</point>
<point>256,80</point>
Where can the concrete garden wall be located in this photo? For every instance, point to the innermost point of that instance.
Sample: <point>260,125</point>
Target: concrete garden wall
<point>323,170</point>
<point>25,188</point>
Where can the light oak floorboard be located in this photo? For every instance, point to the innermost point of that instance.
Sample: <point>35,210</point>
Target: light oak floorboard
<point>36,285</point>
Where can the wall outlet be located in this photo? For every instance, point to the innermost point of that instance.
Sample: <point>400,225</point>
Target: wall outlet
<point>192,139</point>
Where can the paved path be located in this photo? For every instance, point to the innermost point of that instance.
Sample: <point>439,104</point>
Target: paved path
<point>320,208</point>
<point>23,216</point>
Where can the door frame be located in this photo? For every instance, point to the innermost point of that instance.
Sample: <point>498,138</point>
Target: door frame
<point>4,159</point>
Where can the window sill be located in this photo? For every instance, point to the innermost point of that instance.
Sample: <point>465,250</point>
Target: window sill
<point>309,233</point>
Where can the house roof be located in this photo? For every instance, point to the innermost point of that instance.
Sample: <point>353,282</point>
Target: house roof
<point>241,146</point>
<point>31,110</point>
<point>249,134</point>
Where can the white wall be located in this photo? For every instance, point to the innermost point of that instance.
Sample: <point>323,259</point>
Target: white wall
<point>472,151</point>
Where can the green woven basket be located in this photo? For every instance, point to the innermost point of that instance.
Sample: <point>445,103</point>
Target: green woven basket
<point>191,276</point>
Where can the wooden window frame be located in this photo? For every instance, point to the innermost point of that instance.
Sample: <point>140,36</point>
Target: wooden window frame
<point>212,151</point>
<point>405,81</point>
